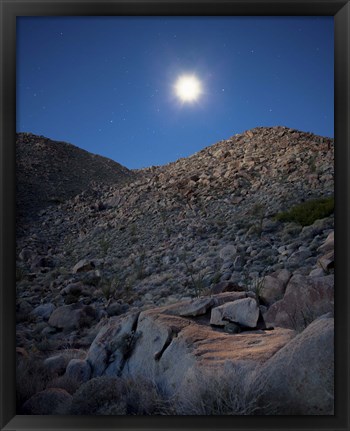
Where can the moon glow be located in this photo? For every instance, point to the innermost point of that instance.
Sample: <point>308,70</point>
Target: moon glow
<point>188,88</point>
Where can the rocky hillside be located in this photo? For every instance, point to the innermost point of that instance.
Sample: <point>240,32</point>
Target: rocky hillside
<point>223,259</point>
<point>49,172</point>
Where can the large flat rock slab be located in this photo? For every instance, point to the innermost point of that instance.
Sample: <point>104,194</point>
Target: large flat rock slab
<point>165,347</point>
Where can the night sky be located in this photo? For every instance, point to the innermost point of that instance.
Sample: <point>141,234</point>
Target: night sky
<point>107,84</point>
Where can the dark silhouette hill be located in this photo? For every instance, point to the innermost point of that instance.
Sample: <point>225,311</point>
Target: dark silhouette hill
<point>50,172</point>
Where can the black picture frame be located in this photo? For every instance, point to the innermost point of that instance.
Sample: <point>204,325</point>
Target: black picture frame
<point>9,10</point>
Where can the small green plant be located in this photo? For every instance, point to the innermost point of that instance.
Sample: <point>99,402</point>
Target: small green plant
<point>306,213</point>
<point>31,377</point>
<point>256,287</point>
<point>196,278</point>
<point>140,266</point>
<point>20,274</point>
<point>312,164</point>
<point>104,246</point>
<point>110,286</point>
<point>127,285</point>
<point>258,212</point>
<point>216,277</point>
<point>133,230</point>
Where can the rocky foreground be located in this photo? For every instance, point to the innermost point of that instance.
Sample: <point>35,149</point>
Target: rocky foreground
<point>180,289</point>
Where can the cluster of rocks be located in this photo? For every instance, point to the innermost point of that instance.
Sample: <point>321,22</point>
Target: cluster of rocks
<point>188,261</point>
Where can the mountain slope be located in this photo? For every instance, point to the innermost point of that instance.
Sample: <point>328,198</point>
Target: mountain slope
<point>180,270</point>
<point>225,195</point>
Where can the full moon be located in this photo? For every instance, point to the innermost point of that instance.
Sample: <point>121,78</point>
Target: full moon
<point>188,88</point>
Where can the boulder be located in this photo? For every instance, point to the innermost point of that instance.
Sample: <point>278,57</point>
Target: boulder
<point>317,272</point>
<point>56,364</point>
<point>244,311</point>
<point>73,289</point>
<point>223,298</point>
<point>78,370</point>
<point>83,265</point>
<point>326,262</point>
<point>228,252</point>
<point>193,307</point>
<point>283,275</point>
<point>42,262</point>
<point>299,378</point>
<point>201,306</point>
<point>74,316</point>
<point>298,258</point>
<point>328,245</point>
<point>43,310</point>
<point>26,254</point>
<point>115,308</point>
<point>111,345</point>
<point>272,290</point>
<point>305,299</point>
<point>47,402</point>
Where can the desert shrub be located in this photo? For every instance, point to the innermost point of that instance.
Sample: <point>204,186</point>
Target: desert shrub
<point>104,246</point>
<point>143,397</point>
<point>140,266</point>
<point>71,298</point>
<point>111,286</point>
<point>99,396</point>
<point>20,274</point>
<point>312,163</point>
<point>44,345</point>
<point>258,212</point>
<point>218,392</point>
<point>108,289</point>
<point>216,277</point>
<point>31,377</point>
<point>257,287</point>
<point>64,382</point>
<point>306,213</point>
<point>196,278</point>
<point>116,396</point>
